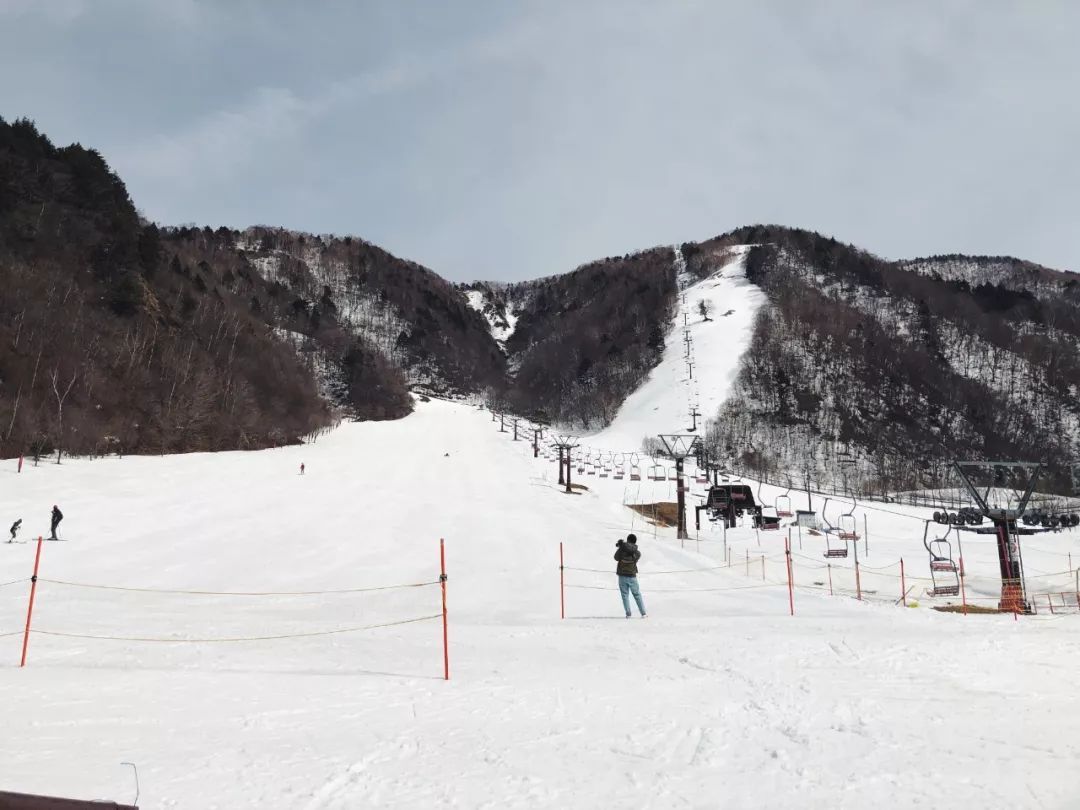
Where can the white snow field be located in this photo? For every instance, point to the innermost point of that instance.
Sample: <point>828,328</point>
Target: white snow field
<point>719,699</point>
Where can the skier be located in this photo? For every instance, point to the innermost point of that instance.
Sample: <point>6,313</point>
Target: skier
<point>301,468</point>
<point>57,516</point>
<point>627,556</point>
<point>15,529</point>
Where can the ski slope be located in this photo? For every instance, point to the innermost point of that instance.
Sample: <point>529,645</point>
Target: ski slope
<point>662,404</point>
<point>719,699</point>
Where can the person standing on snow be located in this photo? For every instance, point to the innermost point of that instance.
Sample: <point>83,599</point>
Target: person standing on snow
<point>57,516</point>
<point>301,468</point>
<point>627,556</point>
<point>15,529</point>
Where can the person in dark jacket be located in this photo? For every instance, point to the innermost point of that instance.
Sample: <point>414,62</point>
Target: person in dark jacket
<point>15,529</point>
<point>627,556</point>
<point>57,516</point>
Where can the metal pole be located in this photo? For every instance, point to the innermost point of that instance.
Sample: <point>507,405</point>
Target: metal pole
<point>30,606</point>
<point>562,585</point>
<point>903,586</point>
<point>442,582</point>
<point>681,497</point>
<point>562,480</point>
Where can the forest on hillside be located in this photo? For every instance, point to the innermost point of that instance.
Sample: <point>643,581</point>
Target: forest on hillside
<point>873,376</point>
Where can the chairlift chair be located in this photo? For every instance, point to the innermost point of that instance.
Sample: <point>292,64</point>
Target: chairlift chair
<point>605,467</point>
<point>635,468</point>
<point>783,506</point>
<point>620,467</point>
<point>944,574</point>
<point>847,527</point>
<point>835,545</point>
<point>673,475</point>
<point>656,473</point>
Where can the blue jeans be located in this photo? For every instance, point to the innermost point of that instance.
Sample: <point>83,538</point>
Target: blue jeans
<point>628,585</point>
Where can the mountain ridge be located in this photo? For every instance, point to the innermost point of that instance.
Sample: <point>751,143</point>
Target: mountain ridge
<point>221,338</point>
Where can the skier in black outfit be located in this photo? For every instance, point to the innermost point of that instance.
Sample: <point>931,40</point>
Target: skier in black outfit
<point>15,529</point>
<point>57,516</point>
<point>627,556</point>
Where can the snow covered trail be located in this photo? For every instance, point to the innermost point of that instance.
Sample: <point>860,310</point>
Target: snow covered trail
<point>661,404</point>
<point>718,699</point>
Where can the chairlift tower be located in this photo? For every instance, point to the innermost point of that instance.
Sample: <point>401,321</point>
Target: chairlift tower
<point>566,445</point>
<point>694,414</point>
<point>1013,596</point>
<point>678,447</point>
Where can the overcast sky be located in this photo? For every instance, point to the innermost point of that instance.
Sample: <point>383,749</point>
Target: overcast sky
<point>506,140</point>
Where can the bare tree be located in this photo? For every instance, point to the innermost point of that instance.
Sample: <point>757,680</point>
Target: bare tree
<point>705,307</point>
<point>60,408</point>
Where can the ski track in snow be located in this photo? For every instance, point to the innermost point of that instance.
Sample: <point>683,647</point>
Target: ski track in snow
<point>718,699</point>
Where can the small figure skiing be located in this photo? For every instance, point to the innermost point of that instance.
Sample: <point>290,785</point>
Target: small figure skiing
<point>15,529</point>
<point>301,468</point>
<point>627,556</point>
<point>57,516</point>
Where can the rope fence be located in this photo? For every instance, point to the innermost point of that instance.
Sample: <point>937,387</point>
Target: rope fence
<point>890,583</point>
<point>178,638</point>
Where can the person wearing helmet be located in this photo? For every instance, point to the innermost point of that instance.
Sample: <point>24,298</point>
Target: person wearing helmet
<point>57,516</point>
<point>627,556</point>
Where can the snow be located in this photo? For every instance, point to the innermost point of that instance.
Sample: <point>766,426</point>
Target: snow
<point>500,325</point>
<point>662,404</point>
<point>719,698</point>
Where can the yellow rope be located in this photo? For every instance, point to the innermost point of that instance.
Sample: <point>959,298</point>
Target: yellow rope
<point>233,593</point>
<point>239,638</point>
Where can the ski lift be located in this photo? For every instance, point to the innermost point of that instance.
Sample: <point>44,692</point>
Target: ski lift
<point>944,574</point>
<point>835,542</point>
<point>847,529</point>
<point>673,475</point>
<point>656,473</point>
<point>620,467</point>
<point>582,460</point>
<point>835,546</point>
<point>635,468</point>
<point>702,476</point>
<point>605,467</point>
<point>782,504</point>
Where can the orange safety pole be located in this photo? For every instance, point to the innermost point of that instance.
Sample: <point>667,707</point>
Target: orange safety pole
<point>790,588</point>
<point>829,566</point>
<point>562,586</point>
<point>903,585</point>
<point>1050,602</point>
<point>442,582</point>
<point>858,583</point>
<point>30,607</point>
<point>963,590</point>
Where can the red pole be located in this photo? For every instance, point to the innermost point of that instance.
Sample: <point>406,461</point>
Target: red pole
<point>30,607</point>
<point>830,579</point>
<point>442,581</point>
<point>858,583</point>
<point>790,588</point>
<point>963,590</point>
<point>1050,602</point>
<point>903,586</point>
<point>562,586</point>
